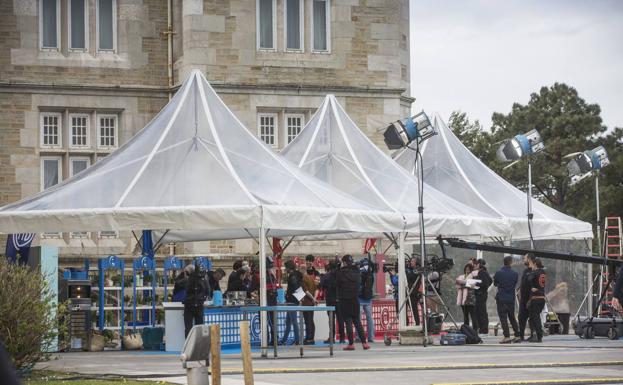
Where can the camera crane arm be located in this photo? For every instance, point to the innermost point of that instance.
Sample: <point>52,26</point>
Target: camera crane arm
<point>549,254</point>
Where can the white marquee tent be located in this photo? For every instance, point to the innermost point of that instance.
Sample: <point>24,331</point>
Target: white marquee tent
<point>332,148</point>
<point>451,168</point>
<point>195,167</point>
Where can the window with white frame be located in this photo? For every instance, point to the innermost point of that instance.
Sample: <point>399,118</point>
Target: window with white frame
<point>78,164</point>
<point>107,131</point>
<point>267,128</point>
<point>78,26</point>
<point>266,26</point>
<point>106,18</point>
<point>79,130</point>
<point>294,125</point>
<point>51,130</point>
<point>320,25</point>
<point>294,24</point>
<point>49,24</point>
<point>51,171</point>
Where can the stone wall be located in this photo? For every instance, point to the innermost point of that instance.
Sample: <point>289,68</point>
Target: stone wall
<point>366,67</point>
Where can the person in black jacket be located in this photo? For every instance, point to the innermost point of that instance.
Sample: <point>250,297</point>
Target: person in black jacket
<point>179,287</point>
<point>413,280</point>
<point>536,301</point>
<point>197,290</point>
<point>506,280</point>
<point>214,277</point>
<point>348,281</point>
<point>524,294</point>
<point>482,295</point>
<point>295,280</point>
<point>328,282</point>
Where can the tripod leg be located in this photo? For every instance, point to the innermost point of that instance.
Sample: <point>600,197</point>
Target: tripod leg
<point>443,303</point>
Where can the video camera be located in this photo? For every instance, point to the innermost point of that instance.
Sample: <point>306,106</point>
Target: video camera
<point>433,263</point>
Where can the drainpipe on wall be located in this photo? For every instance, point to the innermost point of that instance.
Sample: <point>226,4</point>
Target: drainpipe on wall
<point>169,33</point>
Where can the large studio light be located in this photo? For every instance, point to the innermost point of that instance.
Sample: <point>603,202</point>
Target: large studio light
<point>511,150</point>
<point>515,148</point>
<point>584,163</point>
<point>403,132</point>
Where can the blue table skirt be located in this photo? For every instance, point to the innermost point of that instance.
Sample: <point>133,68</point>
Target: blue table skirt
<point>229,318</point>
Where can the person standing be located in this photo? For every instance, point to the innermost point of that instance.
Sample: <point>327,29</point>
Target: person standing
<point>348,281</point>
<point>309,287</point>
<point>310,269</point>
<point>524,294</point>
<point>505,280</point>
<point>214,278</point>
<point>197,290</point>
<point>413,282</point>
<point>294,282</point>
<point>617,292</point>
<point>366,292</point>
<point>482,294</point>
<point>466,297</point>
<point>536,301</point>
<point>271,293</point>
<point>328,282</point>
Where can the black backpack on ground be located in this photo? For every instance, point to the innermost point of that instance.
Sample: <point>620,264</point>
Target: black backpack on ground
<point>471,337</point>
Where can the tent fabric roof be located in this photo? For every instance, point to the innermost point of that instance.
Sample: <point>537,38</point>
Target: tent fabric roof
<point>450,167</point>
<point>332,148</point>
<point>195,167</point>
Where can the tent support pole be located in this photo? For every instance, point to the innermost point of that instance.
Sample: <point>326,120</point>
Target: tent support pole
<point>263,323</point>
<point>402,316</point>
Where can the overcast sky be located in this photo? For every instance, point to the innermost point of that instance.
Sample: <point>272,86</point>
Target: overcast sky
<point>481,56</point>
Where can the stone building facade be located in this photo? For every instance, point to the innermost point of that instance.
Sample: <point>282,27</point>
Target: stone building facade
<point>78,78</point>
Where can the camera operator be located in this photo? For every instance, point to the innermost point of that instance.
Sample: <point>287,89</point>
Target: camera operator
<point>482,294</point>
<point>348,281</point>
<point>197,290</point>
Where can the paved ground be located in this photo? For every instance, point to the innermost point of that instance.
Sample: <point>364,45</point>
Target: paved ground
<point>567,358</point>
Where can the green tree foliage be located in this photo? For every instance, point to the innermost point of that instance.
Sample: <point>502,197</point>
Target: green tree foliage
<point>30,321</point>
<point>567,124</point>
<point>471,134</point>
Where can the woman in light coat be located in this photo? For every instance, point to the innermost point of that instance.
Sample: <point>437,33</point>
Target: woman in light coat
<point>466,285</point>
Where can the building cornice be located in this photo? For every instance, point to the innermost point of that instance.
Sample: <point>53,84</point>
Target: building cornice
<point>163,91</point>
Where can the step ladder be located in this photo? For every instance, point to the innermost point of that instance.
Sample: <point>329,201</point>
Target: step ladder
<point>612,248</point>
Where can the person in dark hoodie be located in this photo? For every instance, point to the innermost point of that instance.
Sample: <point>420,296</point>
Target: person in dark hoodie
<point>506,280</point>
<point>197,290</point>
<point>348,281</point>
<point>328,282</point>
<point>524,294</point>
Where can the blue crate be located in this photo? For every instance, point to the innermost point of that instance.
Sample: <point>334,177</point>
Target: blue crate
<point>73,273</point>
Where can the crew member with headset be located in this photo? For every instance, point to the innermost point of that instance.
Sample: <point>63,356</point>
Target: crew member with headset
<point>197,290</point>
<point>536,302</point>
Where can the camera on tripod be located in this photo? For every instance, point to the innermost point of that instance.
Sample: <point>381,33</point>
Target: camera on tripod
<point>433,263</point>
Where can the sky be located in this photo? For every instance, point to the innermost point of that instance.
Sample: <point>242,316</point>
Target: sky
<point>481,56</point>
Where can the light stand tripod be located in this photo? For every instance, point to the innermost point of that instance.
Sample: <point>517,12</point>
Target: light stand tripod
<point>530,214</point>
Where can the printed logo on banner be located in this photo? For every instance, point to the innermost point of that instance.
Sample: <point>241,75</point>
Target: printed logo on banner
<point>255,327</point>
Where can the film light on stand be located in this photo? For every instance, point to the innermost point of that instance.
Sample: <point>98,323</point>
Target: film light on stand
<point>584,163</point>
<point>515,148</point>
<point>403,132</point>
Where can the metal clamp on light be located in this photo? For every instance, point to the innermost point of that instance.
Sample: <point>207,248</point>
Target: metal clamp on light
<point>401,133</point>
